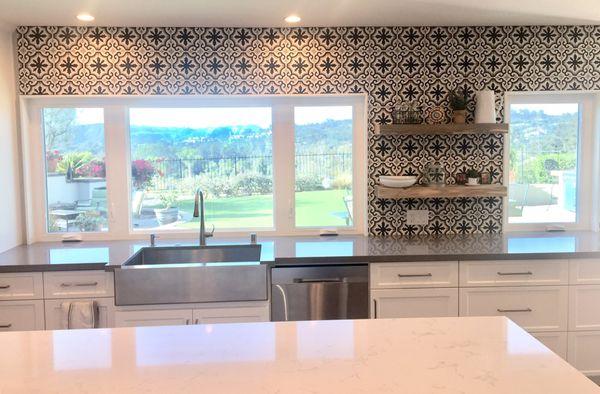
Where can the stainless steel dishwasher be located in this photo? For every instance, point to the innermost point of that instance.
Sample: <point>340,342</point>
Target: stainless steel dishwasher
<point>320,292</point>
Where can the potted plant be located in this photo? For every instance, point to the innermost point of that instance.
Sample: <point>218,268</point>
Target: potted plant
<point>89,221</point>
<point>458,104</point>
<point>52,159</point>
<point>169,213</point>
<point>472,177</point>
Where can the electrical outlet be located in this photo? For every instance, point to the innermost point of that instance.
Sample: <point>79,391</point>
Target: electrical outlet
<point>417,216</point>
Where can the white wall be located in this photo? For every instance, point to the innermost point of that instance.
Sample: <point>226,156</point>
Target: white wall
<point>11,204</point>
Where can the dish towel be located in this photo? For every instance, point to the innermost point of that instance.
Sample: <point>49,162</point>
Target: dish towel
<point>79,314</point>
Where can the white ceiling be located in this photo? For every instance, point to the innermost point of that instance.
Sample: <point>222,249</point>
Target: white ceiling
<point>313,12</point>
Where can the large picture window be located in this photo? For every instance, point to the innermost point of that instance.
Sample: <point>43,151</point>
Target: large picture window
<point>120,167</point>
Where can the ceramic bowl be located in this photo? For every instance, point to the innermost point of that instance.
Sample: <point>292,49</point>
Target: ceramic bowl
<point>397,181</point>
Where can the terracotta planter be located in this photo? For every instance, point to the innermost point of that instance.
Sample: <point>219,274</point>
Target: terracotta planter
<point>166,215</point>
<point>459,116</point>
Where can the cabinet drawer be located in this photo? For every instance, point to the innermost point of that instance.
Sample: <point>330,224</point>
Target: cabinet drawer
<point>53,312</point>
<point>555,341</point>
<point>391,303</point>
<point>584,308</point>
<point>514,273</point>
<point>231,315</point>
<point>584,272</point>
<point>541,308</point>
<point>584,351</point>
<point>147,318</point>
<point>418,274</point>
<point>21,286</point>
<point>78,284</point>
<point>21,315</point>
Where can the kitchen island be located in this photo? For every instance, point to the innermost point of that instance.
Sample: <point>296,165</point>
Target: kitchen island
<point>445,355</point>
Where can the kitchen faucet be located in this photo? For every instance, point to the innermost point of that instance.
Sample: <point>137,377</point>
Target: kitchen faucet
<point>199,212</point>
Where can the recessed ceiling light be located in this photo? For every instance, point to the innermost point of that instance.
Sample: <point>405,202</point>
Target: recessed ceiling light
<point>293,19</point>
<point>84,17</point>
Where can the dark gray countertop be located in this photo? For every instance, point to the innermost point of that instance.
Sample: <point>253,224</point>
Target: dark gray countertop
<point>93,255</point>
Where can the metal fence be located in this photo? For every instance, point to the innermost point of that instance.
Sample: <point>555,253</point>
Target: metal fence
<point>317,164</point>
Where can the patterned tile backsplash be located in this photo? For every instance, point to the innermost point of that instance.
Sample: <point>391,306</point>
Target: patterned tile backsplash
<point>386,63</point>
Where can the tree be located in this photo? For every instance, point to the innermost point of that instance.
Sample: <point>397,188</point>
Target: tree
<point>57,126</point>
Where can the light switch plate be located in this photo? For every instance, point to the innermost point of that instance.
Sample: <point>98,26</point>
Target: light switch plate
<point>417,216</point>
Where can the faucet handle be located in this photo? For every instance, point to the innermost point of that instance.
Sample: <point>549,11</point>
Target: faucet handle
<point>211,233</point>
<point>153,238</point>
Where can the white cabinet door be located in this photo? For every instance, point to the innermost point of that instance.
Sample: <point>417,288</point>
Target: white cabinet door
<point>555,341</point>
<point>414,275</point>
<point>584,308</point>
<point>21,286</point>
<point>78,284</point>
<point>584,351</point>
<point>584,272</point>
<point>148,317</point>
<point>21,315</point>
<point>389,303</point>
<point>231,315</point>
<point>535,308</point>
<point>514,273</point>
<point>106,308</point>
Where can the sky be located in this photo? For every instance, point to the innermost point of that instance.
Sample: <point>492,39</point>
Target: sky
<point>550,109</point>
<point>216,117</point>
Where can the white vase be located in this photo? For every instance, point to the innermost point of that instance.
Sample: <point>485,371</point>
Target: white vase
<point>485,107</point>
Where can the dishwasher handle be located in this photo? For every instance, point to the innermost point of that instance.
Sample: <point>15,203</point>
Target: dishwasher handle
<point>319,280</point>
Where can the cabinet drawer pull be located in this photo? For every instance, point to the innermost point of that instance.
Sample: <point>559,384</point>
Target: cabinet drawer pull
<point>196,321</point>
<point>9,325</point>
<point>415,275</point>
<point>374,308</point>
<point>514,310</point>
<point>187,322</point>
<point>515,273</point>
<point>79,284</point>
<point>3,287</point>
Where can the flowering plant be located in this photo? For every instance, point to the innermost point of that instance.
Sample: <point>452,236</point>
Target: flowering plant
<point>92,169</point>
<point>142,172</point>
<point>52,159</point>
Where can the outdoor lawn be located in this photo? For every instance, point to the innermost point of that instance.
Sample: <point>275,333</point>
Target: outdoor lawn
<point>313,208</point>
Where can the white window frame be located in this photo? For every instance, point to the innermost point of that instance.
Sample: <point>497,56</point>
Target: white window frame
<point>118,174</point>
<point>587,158</point>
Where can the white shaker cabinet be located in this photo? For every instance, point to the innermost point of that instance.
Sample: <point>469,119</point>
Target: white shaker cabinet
<point>53,312</point>
<point>430,302</point>
<point>156,317</point>
<point>22,315</point>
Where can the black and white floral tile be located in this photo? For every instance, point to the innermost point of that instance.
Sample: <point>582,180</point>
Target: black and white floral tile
<point>385,63</point>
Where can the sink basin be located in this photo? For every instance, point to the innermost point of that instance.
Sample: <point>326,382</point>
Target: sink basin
<point>170,275</point>
<point>195,255</point>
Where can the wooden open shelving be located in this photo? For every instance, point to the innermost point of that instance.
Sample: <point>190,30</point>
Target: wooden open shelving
<point>447,191</point>
<point>444,129</point>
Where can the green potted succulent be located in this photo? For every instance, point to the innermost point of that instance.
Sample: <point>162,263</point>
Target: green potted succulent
<point>473,177</point>
<point>169,211</point>
<point>458,104</point>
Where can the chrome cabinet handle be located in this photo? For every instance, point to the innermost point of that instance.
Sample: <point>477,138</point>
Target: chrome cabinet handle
<point>374,308</point>
<point>5,287</point>
<point>80,284</point>
<point>323,280</point>
<point>515,273</point>
<point>415,275</point>
<point>514,310</point>
<point>9,325</point>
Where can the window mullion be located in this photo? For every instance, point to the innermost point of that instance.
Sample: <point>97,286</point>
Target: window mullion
<point>283,167</point>
<point>117,169</point>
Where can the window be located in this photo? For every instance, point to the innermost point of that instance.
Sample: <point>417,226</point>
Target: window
<point>75,170</point>
<point>548,167</point>
<point>119,167</point>
<point>225,152</point>
<point>323,143</point>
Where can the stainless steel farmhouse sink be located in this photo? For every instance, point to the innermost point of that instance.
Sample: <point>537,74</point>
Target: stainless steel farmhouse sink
<point>188,274</point>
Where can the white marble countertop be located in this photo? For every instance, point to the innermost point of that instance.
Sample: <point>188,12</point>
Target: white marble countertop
<point>442,355</point>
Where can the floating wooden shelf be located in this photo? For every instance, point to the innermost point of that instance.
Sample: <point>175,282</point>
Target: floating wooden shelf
<point>446,129</point>
<point>441,191</point>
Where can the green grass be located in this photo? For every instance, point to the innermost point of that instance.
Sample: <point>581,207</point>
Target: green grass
<point>316,208</point>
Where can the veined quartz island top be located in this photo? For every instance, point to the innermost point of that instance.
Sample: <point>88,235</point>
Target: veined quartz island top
<point>52,256</point>
<point>446,355</point>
